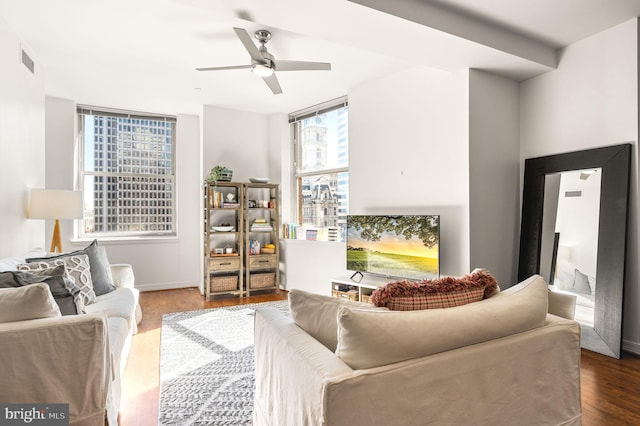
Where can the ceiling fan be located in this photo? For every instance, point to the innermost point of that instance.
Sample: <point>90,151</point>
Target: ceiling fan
<point>264,64</point>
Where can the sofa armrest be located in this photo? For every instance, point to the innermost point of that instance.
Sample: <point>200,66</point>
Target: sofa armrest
<point>58,360</point>
<point>562,305</point>
<point>122,275</point>
<point>292,371</point>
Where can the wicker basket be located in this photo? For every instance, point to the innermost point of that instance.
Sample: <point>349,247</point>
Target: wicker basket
<point>366,298</point>
<point>224,283</point>
<point>349,295</point>
<point>264,280</point>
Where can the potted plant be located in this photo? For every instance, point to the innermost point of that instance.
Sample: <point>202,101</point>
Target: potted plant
<point>219,173</point>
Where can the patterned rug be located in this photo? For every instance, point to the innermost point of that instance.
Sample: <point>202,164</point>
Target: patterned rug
<point>206,366</point>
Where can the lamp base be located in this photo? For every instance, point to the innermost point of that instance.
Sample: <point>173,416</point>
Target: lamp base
<point>56,240</point>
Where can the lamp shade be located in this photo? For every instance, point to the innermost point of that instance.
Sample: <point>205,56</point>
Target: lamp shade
<point>55,204</point>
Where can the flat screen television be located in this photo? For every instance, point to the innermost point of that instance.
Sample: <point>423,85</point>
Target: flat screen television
<point>406,246</point>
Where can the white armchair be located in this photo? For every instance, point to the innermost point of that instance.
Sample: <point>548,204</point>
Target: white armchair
<point>74,359</point>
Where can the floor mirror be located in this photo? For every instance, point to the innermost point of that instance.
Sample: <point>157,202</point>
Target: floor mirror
<point>573,233</point>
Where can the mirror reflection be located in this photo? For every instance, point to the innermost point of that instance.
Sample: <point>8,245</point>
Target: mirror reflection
<point>569,245</point>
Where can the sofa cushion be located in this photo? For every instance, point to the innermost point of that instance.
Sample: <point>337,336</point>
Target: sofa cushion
<point>77,266</point>
<point>101,279</point>
<point>28,302</point>
<point>317,314</point>
<point>58,286</point>
<point>368,338</point>
<point>445,292</point>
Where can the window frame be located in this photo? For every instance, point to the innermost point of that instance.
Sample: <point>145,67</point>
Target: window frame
<point>82,173</point>
<point>298,175</point>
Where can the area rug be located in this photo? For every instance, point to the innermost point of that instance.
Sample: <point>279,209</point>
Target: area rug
<point>207,367</point>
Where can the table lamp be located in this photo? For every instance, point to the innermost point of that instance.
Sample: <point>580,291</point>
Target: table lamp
<point>55,204</point>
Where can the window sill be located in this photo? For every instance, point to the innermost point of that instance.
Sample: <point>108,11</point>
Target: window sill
<point>304,242</point>
<point>163,239</point>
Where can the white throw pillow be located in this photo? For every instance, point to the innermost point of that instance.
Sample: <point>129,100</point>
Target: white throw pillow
<point>368,339</point>
<point>29,302</point>
<point>317,315</point>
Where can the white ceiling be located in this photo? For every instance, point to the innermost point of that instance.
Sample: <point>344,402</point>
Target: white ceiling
<point>141,54</point>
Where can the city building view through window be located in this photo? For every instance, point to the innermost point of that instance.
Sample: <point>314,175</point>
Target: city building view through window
<point>322,146</point>
<point>127,174</point>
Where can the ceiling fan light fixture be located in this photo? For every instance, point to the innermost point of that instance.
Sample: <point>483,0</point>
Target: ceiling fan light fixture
<point>262,70</point>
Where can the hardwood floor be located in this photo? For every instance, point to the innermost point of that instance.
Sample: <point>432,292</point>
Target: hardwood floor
<point>610,387</point>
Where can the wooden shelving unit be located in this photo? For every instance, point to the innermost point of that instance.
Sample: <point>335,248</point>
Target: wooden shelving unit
<point>262,225</point>
<point>223,271</point>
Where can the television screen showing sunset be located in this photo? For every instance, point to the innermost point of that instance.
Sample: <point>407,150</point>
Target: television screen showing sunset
<point>394,246</point>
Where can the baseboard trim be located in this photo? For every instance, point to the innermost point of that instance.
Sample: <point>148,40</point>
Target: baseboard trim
<point>164,286</point>
<point>630,346</point>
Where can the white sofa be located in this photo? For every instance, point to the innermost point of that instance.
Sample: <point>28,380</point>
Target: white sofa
<point>500,361</point>
<point>74,359</point>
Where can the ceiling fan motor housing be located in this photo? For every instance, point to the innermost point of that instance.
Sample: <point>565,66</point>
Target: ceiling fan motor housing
<point>263,36</point>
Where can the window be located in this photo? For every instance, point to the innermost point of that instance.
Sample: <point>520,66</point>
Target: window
<point>127,173</point>
<point>321,165</point>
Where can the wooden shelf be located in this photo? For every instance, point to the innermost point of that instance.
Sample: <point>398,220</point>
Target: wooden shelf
<point>223,273</point>
<point>254,272</point>
<point>262,271</point>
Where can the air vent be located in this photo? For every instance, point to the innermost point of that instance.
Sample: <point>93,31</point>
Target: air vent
<point>573,194</point>
<point>28,62</point>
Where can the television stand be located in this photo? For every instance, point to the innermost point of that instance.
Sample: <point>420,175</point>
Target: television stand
<point>357,290</point>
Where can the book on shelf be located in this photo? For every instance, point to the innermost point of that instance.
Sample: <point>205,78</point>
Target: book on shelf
<point>290,231</point>
<point>216,200</point>
<point>261,224</point>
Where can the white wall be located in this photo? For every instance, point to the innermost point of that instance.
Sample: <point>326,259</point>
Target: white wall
<point>238,140</point>
<point>60,137</point>
<point>158,263</point>
<point>408,154</point>
<point>494,169</point>
<point>591,100</point>
<point>22,146</point>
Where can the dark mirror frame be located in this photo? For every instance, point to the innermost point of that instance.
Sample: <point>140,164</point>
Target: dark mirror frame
<point>612,231</point>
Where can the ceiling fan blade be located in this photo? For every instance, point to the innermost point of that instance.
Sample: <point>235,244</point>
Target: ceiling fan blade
<point>302,66</point>
<point>248,44</point>
<point>232,67</point>
<point>273,84</point>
